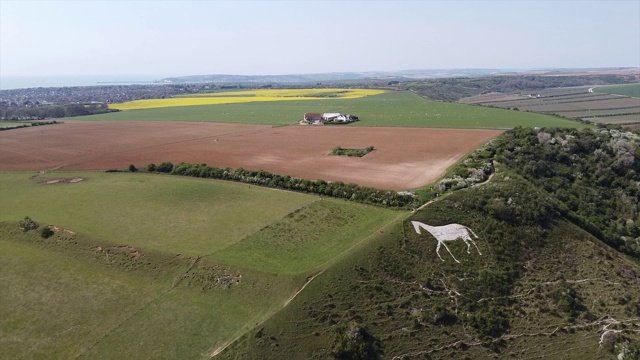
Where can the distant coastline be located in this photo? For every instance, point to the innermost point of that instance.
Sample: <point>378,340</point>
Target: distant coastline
<point>25,82</point>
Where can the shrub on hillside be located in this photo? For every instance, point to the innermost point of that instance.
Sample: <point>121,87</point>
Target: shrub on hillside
<point>353,341</point>
<point>490,322</point>
<point>28,224</point>
<point>45,232</point>
<point>165,167</point>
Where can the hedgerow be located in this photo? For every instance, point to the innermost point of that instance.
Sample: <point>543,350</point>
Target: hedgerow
<point>337,189</point>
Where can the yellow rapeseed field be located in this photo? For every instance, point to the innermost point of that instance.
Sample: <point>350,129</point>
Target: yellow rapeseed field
<point>234,97</point>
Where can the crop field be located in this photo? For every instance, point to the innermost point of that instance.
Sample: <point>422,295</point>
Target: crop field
<point>138,277</point>
<point>575,103</point>
<point>625,90</point>
<point>396,108</point>
<point>403,158</point>
<point>234,97</point>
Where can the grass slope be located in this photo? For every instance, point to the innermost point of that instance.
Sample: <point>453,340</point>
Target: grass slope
<point>123,294</point>
<point>541,288</point>
<point>73,296</point>
<point>307,238</point>
<point>55,303</point>
<point>400,108</point>
<point>174,214</point>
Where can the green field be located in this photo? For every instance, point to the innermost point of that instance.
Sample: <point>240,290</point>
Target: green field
<point>4,124</point>
<point>125,277</point>
<point>62,298</point>
<point>626,90</point>
<point>175,214</point>
<point>400,108</point>
<point>307,238</point>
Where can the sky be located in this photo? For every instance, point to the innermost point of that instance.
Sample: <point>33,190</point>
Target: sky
<point>173,38</point>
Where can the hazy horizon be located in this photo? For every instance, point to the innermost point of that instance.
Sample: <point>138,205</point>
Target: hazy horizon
<point>25,82</point>
<point>170,38</point>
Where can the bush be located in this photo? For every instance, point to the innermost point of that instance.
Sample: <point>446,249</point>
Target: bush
<point>132,168</point>
<point>490,322</point>
<point>165,167</point>
<point>151,167</point>
<point>45,232</point>
<point>355,342</point>
<point>28,224</point>
<point>568,300</point>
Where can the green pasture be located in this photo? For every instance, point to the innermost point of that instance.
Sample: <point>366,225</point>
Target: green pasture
<point>54,305</point>
<point>167,213</point>
<point>122,278</point>
<point>188,322</point>
<point>308,237</point>
<point>63,299</point>
<point>399,108</point>
<point>5,124</point>
<point>626,89</point>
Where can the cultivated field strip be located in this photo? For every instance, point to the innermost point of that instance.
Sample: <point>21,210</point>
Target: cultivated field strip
<point>235,97</point>
<point>403,158</point>
<point>393,108</point>
<point>577,103</point>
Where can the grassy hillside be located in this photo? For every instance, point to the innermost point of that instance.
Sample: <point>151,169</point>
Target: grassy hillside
<point>123,274</point>
<point>307,238</point>
<point>541,288</point>
<point>181,215</point>
<point>593,175</point>
<point>72,296</point>
<point>400,108</point>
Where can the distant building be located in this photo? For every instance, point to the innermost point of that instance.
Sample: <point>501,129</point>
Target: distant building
<point>318,118</point>
<point>313,118</point>
<point>338,117</point>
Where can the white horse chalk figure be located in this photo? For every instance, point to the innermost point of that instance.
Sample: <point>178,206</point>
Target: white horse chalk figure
<point>449,232</point>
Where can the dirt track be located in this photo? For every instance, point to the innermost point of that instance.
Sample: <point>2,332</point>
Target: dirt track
<point>403,158</point>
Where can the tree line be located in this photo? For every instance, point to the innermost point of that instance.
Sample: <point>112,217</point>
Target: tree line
<point>337,189</point>
<point>37,123</point>
<point>51,111</point>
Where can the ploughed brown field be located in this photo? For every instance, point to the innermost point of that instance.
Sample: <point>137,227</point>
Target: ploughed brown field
<point>404,158</point>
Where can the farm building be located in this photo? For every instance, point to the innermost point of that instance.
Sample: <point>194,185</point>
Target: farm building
<point>313,118</point>
<point>317,118</point>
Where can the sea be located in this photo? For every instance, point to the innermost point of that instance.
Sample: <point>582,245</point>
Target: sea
<point>25,82</point>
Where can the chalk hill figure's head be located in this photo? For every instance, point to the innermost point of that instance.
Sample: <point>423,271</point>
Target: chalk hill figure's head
<point>446,233</point>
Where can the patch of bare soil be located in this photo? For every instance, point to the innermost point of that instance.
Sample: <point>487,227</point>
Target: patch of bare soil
<point>57,181</point>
